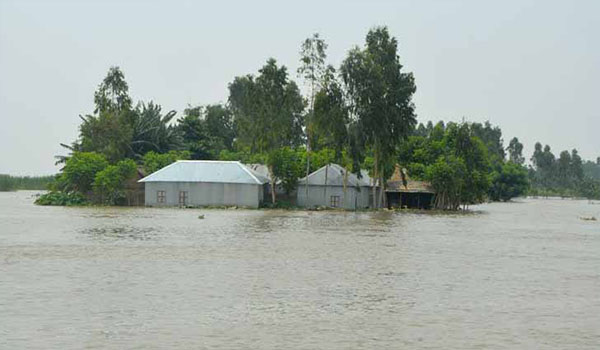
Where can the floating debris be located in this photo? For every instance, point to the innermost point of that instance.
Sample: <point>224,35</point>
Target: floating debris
<point>588,218</point>
<point>201,216</point>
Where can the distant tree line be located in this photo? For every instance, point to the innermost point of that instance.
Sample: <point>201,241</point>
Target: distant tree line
<point>359,115</point>
<point>565,176</point>
<point>13,183</point>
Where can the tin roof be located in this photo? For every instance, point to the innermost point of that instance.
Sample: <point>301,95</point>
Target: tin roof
<point>261,170</point>
<point>206,171</point>
<point>335,177</point>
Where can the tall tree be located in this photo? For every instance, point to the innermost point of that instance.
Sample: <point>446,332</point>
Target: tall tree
<point>267,111</point>
<point>153,131</point>
<point>381,98</point>
<point>330,118</point>
<point>515,151</point>
<point>312,69</point>
<point>113,93</point>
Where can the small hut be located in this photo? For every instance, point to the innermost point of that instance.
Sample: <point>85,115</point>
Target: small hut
<point>402,192</point>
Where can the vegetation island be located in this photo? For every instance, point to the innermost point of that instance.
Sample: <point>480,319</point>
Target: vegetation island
<point>359,115</point>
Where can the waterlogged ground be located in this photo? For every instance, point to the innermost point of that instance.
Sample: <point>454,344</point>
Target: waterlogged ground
<point>521,275</point>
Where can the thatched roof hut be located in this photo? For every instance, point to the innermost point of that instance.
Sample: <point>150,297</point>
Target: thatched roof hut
<point>403,192</point>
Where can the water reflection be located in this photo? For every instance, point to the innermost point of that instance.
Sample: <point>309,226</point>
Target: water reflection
<point>117,233</point>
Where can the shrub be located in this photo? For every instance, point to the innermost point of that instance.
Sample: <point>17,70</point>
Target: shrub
<point>61,198</point>
<point>109,184</point>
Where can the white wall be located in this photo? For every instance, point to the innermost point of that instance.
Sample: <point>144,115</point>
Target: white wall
<point>320,196</point>
<point>205,194</point>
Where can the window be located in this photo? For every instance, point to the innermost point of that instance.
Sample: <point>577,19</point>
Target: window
<point>161,196</point>
<point>334,201</point>
<point>183,197</point>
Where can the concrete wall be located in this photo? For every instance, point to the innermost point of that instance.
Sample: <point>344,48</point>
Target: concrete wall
<point>320,196</point>
<point>205,194</point>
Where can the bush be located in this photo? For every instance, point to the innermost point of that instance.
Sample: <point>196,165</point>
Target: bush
<point>511,181</point>
<point>80,171</point>
<point>61,198</point>
<point>155,161</point>
<point>109,184</point>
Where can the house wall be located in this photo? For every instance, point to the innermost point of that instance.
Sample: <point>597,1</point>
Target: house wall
<point>320,196</point>
<point>205,194</point>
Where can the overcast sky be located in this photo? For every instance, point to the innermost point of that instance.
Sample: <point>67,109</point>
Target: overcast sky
<point>531,67</point>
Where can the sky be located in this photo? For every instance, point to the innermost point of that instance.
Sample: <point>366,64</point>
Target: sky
<point>531,67</point>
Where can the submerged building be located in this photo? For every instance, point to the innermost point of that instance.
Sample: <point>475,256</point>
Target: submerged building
<point>204,183</point>
<point>402,192</point>
<point>334,187</point>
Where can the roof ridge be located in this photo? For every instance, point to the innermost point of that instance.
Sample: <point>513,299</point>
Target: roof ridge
<point>156,172</point>
<point>206,161</point>
<point>247,170</point>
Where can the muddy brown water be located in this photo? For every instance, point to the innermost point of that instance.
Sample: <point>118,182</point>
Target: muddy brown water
<point>522,275</point>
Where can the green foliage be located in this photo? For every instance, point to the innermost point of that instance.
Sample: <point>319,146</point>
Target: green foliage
<point>13,183</point>
<point>80,170</point>
<point>206,131</point>
<point>113,93</point>
<point>447,176</point>
<point>330,118</point>
<point>508,183</point>
<point>61,198</point>
<point>380,96</point>
<point>109,183</point>
<point>286,165</point>
<point>567,176</point>
<point>515,151</point>
<point>267,109</point>
<point>7,183</point>
<point>152,131</point>
<point>153,161</point>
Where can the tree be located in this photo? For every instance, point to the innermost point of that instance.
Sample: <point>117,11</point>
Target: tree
<point>152,131</point>
<point>286,166</point>
<point>207,130</point>
<point>381,98</point>
<point>515,151</point>
<point>267,111</point>
<point>508,183</point>
<point>113,93</point>
<point>576,166</point>
<point>80,170</point>
<point>109,183</point>
<point>330,118</point>
<point>312,69</point>
<point>155,161</point>
<point>447,178</point>
<point>564,169</point>
<point>220,128</point>
<point>492,139</point>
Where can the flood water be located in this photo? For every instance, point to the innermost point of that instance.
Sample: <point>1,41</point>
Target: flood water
<point>522,275</point>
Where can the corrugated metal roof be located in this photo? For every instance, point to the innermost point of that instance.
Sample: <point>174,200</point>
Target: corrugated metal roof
<point>261,170</point>
<point>335,177</point>
<point>206,171</point>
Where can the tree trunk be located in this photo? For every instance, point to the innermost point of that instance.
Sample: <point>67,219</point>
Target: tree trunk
<point>381,190</point>
<point>272,185</point>
<point>345,186</point>
<point>307,161</point>
<point>375,171</point>
<point>325,187</point>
